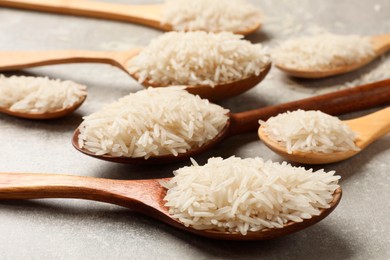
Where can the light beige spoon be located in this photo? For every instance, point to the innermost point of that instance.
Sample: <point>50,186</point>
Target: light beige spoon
<point>380,44</point>
<point>45,115</point>
<point>15,60</point>
<point>145,196</point>
<point>368,128</point>
<point>149,15</point>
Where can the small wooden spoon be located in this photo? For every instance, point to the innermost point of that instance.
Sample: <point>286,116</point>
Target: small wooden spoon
<point>339,102</point>
<point>45,115</point>
<point>368,128</point>
<point>15,60</point>
<point>149,15</point>
<point>380,44</point>
<point>145,196</point>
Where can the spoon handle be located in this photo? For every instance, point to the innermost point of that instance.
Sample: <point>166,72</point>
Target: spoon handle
<point>335,103</point>
<point>138,195</point>
<point>14,60</point>
<point>149,15</point>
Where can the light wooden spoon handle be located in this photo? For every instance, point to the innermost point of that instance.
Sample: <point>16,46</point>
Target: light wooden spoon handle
<point>149,15</point>
<point>131,194</point>
<point>14,60</point>
<point>335,103</point>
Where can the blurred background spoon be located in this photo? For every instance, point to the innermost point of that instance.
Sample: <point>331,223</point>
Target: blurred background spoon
<point>150,15</point>
<point>16,60</point>
<point>339,102</point>
<point>380,44</point>
<point>144,196</point>
<point>368,128</point>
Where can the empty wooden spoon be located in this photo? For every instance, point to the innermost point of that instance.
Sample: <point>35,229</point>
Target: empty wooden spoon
<point>45,115</point>
<point>339,102</point>
<point>368,128</point>
<point>150,15</point>
<point>145,196</point>
<point>380,44</point>
<point>15,60</point>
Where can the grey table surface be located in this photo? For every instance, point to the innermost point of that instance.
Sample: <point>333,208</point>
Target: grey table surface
<point>73,229</point>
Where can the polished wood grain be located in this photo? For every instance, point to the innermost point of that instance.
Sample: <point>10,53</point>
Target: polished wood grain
<point>144,196</point>
<point>336,103</point>
<point>368,128</point>
<point>149,15</point>
<point>380,43</point>
<point>16,60</point>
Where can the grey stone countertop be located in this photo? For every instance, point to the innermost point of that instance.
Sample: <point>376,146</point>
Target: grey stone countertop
<point>73,229</point>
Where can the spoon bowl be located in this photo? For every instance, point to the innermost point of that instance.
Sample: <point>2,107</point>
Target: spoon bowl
<point>27,59</point>
<point>45,115</point>
<point>380,44</point>
<point>144,196</point>
<point>368,128</point>
<point>339,102</point>
<point>149,15</point>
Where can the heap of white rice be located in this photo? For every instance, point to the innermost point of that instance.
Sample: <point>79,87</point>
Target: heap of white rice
<point>310,131</point>
<point>198,58</point>
<point>211,15</point>
<point>323,51</point>
<point>38,94</point>
<point>152,122</point>
<point>247,195</point>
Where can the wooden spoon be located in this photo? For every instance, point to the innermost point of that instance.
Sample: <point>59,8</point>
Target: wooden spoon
<point>380,44</point>
<point>339,102</point>
<point>145,196</point>
<point>149,15</point>
<point>15,60</point>
<point>45,115</point>
<point>368,128</point>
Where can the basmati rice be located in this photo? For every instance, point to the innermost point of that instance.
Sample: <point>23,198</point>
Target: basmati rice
<point>152,122</point>
<point>38,94</point>
<point>247,195</point>
<point>323,51</point>
<point>198,58</point>
<point>310,131</point>
<point>211,15</point>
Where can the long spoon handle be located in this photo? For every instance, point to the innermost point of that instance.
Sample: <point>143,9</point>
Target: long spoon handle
<point>336,103</point>
<point>371,127</point>
<point>149,15</point>
<point>137,195</point>
<point>14,60</point>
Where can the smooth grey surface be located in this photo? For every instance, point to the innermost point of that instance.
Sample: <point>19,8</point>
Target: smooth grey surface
<point>72,229</point>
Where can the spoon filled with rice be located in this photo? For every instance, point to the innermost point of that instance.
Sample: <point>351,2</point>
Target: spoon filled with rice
<point>237,16</point>
<point>39,97</point>
<point>313,137</point>
<point>159,125</point>
<point>214,66</point>
<point>328,54</point>
<point>230,199</point>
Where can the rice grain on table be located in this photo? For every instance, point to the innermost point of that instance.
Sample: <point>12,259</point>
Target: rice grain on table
<point>198,58</point>
<point>310,131</point>
<point>247,195</point>
<point>38,94</point>
<point>211,15</point>
<point>323,51</point>
<point>152,122</point>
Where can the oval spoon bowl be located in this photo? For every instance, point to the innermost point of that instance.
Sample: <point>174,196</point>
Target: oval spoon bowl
<point>368,128</point>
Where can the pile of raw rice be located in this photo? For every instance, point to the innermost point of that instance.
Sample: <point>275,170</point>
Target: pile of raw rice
<point>152,122</point>
<point>38,94</point>
<point>323,51</point>
<point>211,15</point>
<point>310,131</point>
<point>247,195</point>
<point>198,58</point>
